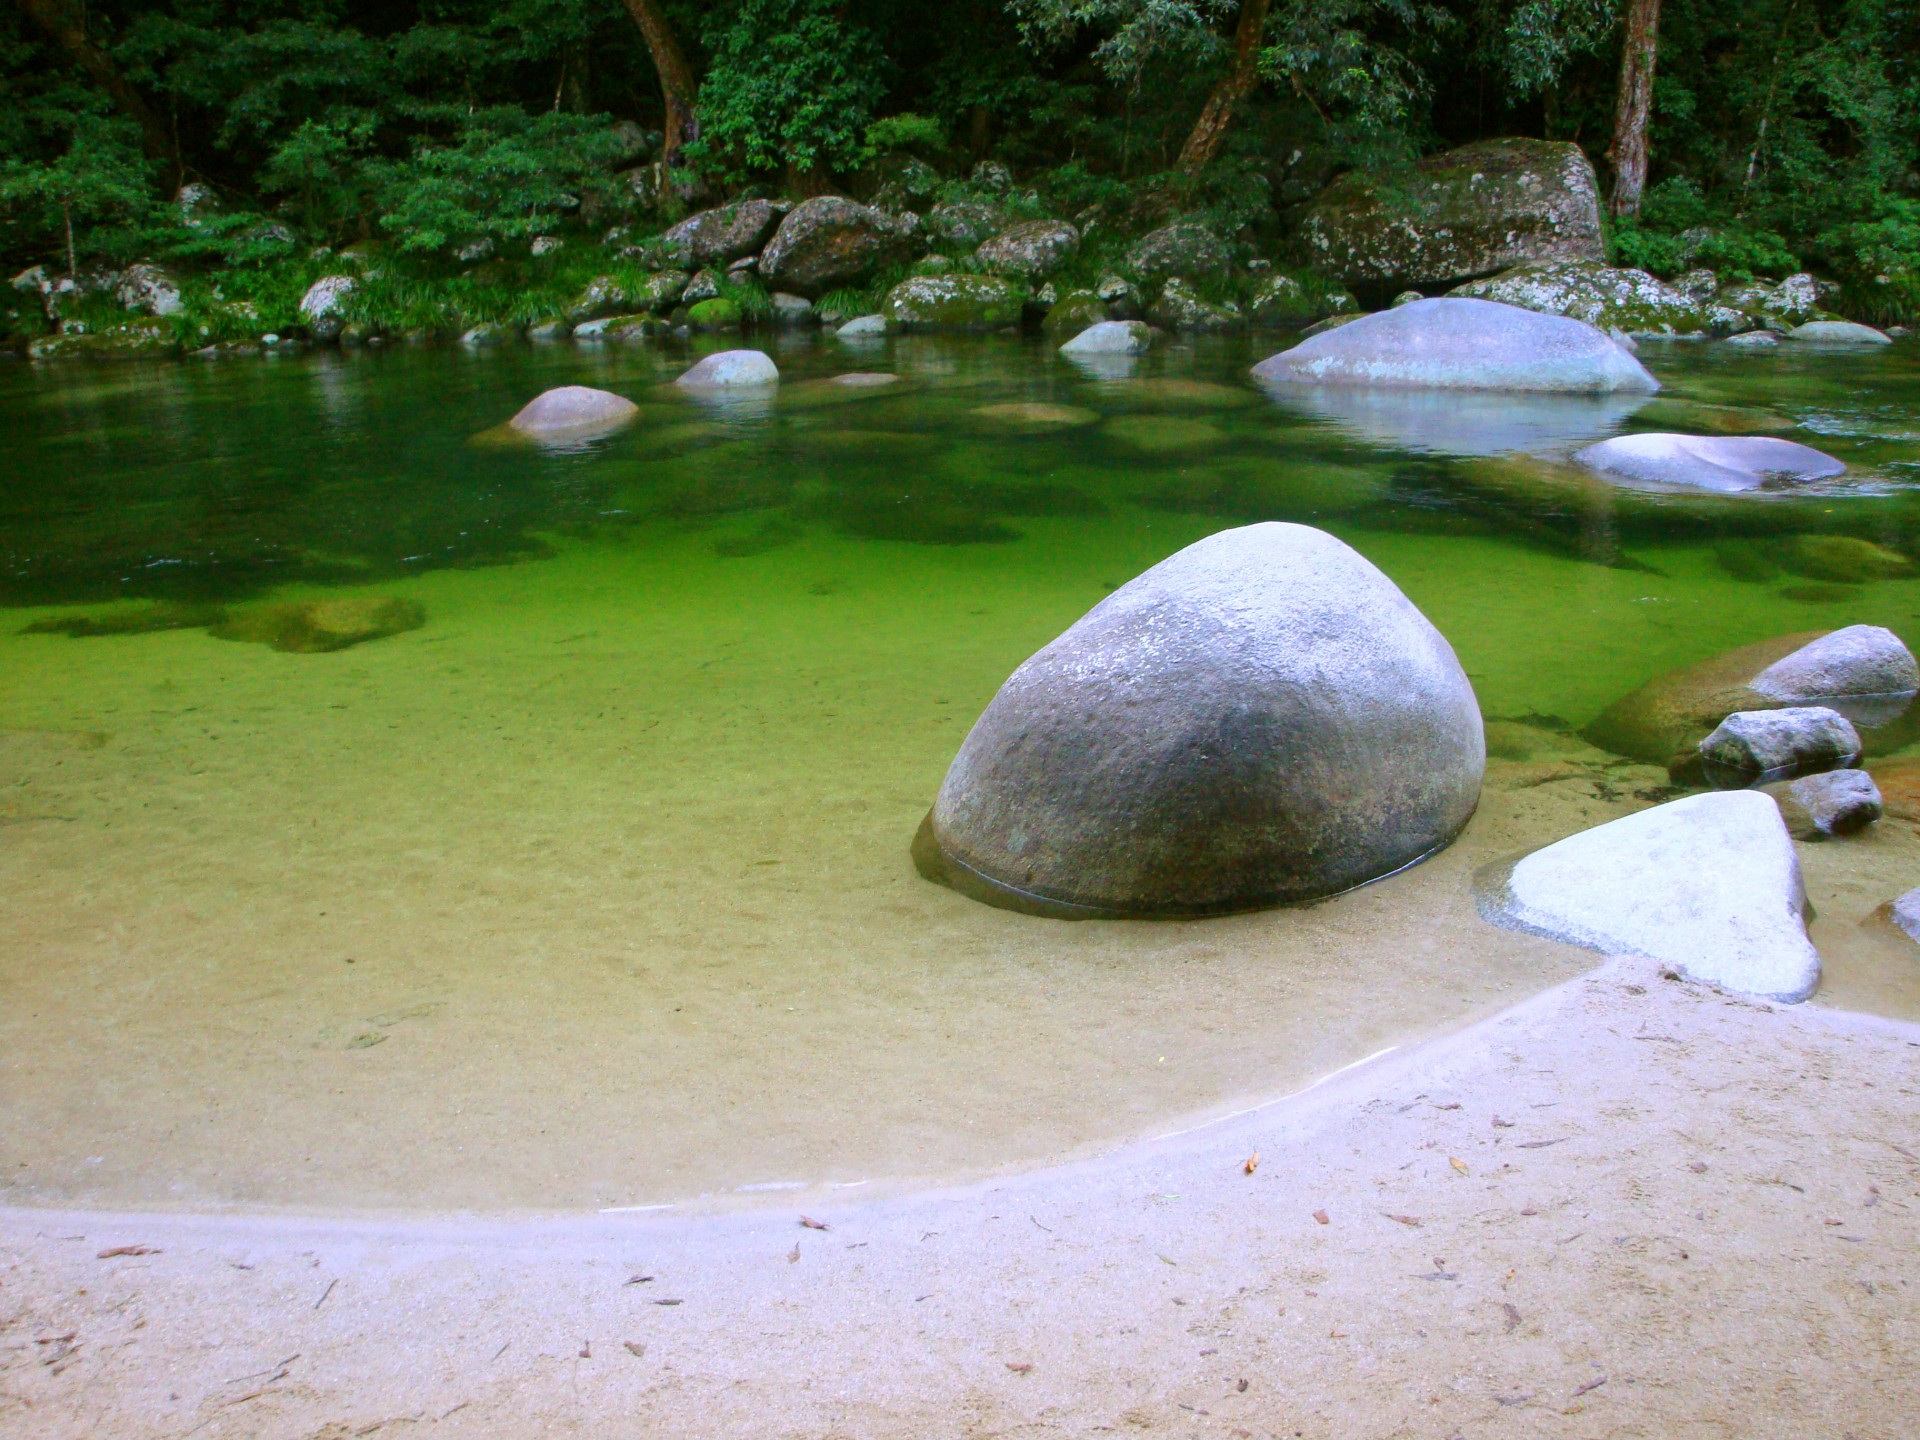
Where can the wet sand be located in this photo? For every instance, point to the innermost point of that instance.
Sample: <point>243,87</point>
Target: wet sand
<point>1626,1207</point>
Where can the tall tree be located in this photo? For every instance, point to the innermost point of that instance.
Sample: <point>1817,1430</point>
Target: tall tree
<point>1639,49</point>
<point>678,90</point>
<point>69,32</point>
<point>1243,73</point>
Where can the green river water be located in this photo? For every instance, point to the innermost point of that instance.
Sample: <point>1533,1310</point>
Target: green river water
<point>593,888</point>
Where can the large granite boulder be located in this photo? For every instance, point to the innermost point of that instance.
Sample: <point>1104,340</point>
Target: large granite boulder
<point>149,290</point>
<point>323,307</point>
<point>1111,337</point>
<point>1629,301</point>
<point>1838,332</point>
<point>1709,886</point>
<point>572,411</point>
<point>1031,251</point>
<point>1185,250</point>
<point>1725,464</point>
<point>715,237</point>
<point>1450,343</point>
<point>1261,718</point>
<point>830,241</point>
<point>954,302</point>
<point>1474,211</point>
<point>1862,671</point>
<point>727,369</point>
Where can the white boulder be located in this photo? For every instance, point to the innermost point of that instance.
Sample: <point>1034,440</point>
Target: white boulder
<point>1709,886</point>
<point>863,327</point>
<point>1726,464</point>
<point>1860,660</point>
<point>1838,332</point>
<point>1452,343</point>
<point>573,411</point>
<point>1111,337</point>
<point>321,306</point>
<point>730,368</point>
<point>1796,738</point>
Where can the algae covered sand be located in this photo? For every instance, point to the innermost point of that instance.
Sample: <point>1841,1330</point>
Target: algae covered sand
<point>593,889</point>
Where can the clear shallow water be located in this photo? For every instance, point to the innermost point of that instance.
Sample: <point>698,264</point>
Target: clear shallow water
<point>594,889</point>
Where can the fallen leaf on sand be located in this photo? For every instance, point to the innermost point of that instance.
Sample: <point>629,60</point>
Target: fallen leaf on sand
<point>639,1279</point>
<point>636,1349</point>
<point>813,1224</point>
<point>1543,1144</point>
<point>1459,1165</point>
<point>1252,1163</point>
<point>793,1255</point>
<point>1413,1220</point>
<point>1321,1217</point>
<point>119,1250</point>
<point>1020,1367</point>
<point>1450,1105</point>
<point>1513,1315</point>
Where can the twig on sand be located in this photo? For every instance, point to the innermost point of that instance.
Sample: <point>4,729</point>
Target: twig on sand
<point>325,1293</point>
<point>119,1250</point>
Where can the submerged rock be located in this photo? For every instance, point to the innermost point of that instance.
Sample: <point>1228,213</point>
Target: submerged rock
<point>1111,337</point>
<point>574,411</point>
<point>1725,464</point>
<point>1461,344</point>
<point>1795,739</point>
<point>1709,886</point>
<point>1838,332</point>
<point>1863,671</point>
<point>954,302</point>
<point>863,327</point>
<point>145,620</point>
<point>1261,718</point>
<point>1836,802</point>
<point>1036,415</point>
<point>312,627</point>
<point>730,368</point>
<point>1903,913</point>
<point>1472,211</point>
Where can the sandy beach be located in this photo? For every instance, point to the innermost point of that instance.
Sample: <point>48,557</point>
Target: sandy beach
<point>1625,1207</point>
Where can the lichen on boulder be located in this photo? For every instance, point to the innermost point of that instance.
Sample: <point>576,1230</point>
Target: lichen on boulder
<point>1629,301</point>
<point>954,302</point>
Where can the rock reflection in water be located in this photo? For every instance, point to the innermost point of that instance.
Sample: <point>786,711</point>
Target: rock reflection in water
<point>1462,422</point>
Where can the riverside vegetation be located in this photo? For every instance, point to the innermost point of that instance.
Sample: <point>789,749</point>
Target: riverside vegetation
<point>176,176</point>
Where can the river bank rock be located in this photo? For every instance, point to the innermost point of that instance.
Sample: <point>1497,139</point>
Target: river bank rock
<point>863,327</point>
<point>1709,886</point>
<point>140,339</point>
<point>722,235</point>
<point>1075,312</point>
<point>1030,251</point>
<point>830,241</point>
<point>573,410</point>
<point>150,290</point>
<point>1111,337</point>
<point>322,307</point>
<point>1726,464</point>
<point>1283,302</point>
<point>1796,738</point>
<point>1838,332</point>
<point>1185,250</point>
<point>965,222</point>
<point>1461,344</point>
<point>1261,718</point>
<point>954,302</point>
<point>1182,307</point>
<point>317,627</point>
<point>727,369</point>
<point>1463,213</point>
<point>1862,671</point>
<point>1629,301</point>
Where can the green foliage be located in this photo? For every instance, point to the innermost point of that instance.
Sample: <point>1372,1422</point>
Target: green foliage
<point>789,84</point>
<point>88,200</point>
<point>917,134</point>
<point>1680,228</point>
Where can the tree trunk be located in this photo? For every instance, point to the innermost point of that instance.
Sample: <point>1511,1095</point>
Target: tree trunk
<point>1635,105</point>
<point>68,33</point>
<point>1243,73</point>
<point>677,91</point>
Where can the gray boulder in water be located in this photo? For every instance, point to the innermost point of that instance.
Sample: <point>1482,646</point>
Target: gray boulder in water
<point>573,410</point>
<point>1261,718</point>
<point>1795,739</point>
<point>1838,332</point>
<point>729,368</point>
<point>1111,337</point>
<point>1709,885</point>
<point>1723,463</point>
<point>1449,343</point>
<point>1835,802</point>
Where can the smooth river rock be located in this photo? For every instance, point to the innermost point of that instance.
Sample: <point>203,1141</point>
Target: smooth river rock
<point>1450,343</point>
<point>572,411</point>
<point>729,368</point>
<point>1111,337</point>
<point>1838,332</point>
<point>1795,739</point>
<point>1834,803</point>
<point>1261,718</point>
<point>1709,886</point>
<point>1726,464</point>
<point>1863,671</point>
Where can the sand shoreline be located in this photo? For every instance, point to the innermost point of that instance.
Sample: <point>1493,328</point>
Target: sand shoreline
<point>1642,1208</point>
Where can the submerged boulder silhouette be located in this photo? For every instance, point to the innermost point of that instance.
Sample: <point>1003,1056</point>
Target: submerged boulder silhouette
<point>1261,718</point>
<point>1458,344</point>
<point>317,627</point>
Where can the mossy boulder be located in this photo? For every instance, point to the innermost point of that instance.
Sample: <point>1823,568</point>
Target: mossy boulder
<point>714,237</point>
<point>1631,302</point>
<point>954,302</point>
<point>1285,302</point>
<point>132,340</point>
<point>1074,312</point>
<point>312,627</point>
<point>1186,250</point>
<point>831,241</point>
<point>1030,251</point>
<point>1477,210</point>
<point>1183,307</point>
<point>718,313</point>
